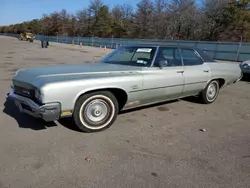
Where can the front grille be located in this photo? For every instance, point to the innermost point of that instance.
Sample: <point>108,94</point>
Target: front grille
<point>30,93</point>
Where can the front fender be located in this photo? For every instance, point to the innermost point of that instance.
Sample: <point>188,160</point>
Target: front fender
<point>92,89</point>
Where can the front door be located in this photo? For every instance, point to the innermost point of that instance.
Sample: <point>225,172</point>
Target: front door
<point>196,72</point>
<point>166,82</point>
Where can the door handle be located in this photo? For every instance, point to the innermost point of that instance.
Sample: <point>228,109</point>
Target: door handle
<point>180,72</point>
<point>206,71</point>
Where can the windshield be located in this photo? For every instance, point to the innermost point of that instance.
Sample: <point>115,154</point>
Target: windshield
<point>134,56</point>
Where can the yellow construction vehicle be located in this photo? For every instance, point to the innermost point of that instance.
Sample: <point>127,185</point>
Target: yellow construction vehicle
<point>27,36</point>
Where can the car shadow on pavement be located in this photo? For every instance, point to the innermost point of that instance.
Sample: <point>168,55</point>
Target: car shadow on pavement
<point>69,124</point>
<point>23,120</point>
<point>193,99</point>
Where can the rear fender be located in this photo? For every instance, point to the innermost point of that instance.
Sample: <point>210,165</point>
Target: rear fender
<point>215,78</point>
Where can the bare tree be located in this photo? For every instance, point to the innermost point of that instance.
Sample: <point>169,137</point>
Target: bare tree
<point>83,24</point>
<point>121,20</point>
<point>95,6</point>
<point>213,11</point>
<point>160,20</point>
<point>144,19</point>
<point>182,18</point>
<point>128,19</point>
<point>163,19</point>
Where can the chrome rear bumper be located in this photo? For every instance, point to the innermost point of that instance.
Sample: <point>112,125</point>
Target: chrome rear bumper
<point>48,112</point>
<point>239,78</point>
<point>246,71</point>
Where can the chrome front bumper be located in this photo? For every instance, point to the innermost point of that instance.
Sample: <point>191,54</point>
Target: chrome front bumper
<point>48,112</point>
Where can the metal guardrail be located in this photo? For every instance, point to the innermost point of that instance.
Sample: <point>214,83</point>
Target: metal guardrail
<point>229,51</point>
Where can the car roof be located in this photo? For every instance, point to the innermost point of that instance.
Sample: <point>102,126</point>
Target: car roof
<point>159,45</point>
<point>204,56</point>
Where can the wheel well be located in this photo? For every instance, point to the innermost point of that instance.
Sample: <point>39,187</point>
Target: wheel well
<point>221,82</point>
<point>119,94</point>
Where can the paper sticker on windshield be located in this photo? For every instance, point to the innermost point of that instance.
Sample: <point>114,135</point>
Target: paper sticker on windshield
<point>144,50</point>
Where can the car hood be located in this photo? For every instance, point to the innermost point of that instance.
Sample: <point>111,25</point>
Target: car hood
<point>67,72</point>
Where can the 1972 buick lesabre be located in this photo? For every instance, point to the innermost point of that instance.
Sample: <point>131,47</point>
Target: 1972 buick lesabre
<point>129,77</point>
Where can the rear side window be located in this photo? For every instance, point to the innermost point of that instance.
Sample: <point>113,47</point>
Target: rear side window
<point>206,56</point>
<point>190,57</point>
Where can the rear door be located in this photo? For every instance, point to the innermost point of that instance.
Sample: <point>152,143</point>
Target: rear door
<point>196,72</point>
<point>167,82</point>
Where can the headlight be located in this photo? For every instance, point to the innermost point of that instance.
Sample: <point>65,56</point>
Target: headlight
<point>246,66</point>
<point>38,95</point>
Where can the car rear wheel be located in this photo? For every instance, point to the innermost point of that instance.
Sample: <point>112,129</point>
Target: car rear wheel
<point>95,111</point>
<point>211,92</point>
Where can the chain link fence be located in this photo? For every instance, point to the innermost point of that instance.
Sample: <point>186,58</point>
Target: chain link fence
<point>229,51</point>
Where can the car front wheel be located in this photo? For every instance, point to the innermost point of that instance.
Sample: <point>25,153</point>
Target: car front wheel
<point>211,92</point>
<point>95,111</point>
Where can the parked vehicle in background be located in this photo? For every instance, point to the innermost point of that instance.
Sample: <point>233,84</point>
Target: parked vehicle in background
<point>129,77</point>
<point>245,67</point>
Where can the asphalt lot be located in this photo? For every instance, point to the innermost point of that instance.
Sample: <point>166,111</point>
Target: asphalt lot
<point>159,146</point>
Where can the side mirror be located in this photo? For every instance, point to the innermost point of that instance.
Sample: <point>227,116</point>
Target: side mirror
<point>162,63</point>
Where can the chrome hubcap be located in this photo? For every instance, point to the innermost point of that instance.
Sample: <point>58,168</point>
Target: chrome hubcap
<point>211,91</point>
<point>96,110</point>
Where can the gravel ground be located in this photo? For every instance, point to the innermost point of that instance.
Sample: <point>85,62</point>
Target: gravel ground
<point>159,146</point>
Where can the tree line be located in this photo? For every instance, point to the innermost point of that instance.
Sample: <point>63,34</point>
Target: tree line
<point>216,20</point>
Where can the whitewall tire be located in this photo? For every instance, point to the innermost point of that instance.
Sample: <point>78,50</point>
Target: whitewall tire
<point>95,111</point>
<point>211,92</point>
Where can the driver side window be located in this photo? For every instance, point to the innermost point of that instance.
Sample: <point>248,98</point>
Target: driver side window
<point>170,56</point>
